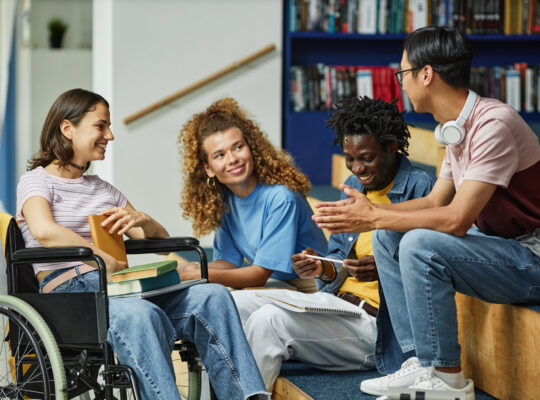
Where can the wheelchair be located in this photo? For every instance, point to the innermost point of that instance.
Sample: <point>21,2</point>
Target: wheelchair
<point>53,350</point>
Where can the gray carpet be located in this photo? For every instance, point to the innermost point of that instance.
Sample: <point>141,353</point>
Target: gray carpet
<point>325,385</point>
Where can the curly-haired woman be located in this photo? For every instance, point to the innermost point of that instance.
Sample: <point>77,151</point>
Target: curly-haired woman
<point>239,185</point>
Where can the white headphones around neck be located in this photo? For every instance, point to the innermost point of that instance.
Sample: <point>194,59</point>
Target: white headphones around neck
<point>452,132</point>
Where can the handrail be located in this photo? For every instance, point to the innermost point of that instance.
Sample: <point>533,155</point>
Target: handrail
<point>198,84</point>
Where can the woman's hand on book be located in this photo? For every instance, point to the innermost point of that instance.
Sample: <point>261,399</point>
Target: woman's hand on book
<point>121,220</point>
<point>306,268</point>
<point>362,269</point>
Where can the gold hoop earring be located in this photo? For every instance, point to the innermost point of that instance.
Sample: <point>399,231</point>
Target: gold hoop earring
<point>211,183</point>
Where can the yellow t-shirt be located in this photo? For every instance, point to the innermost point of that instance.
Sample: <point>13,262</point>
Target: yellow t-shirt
<point>369,291</point>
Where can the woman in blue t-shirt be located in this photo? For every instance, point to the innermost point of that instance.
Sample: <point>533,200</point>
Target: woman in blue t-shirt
<point>239,185</point>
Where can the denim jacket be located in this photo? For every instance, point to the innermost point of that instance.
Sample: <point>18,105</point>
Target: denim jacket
<point>409,183</point>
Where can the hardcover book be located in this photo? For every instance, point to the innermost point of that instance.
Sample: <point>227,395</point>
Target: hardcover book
<point>143,285</point>
<point>114,246</point>
<point>144,271</point>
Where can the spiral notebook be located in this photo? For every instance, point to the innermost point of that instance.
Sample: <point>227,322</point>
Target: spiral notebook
<point>320,303</point>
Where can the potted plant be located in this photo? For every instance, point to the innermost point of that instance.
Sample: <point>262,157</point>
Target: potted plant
<point>57,27</point>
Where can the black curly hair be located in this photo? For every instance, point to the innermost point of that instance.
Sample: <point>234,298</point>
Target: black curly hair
<point>379,118</point>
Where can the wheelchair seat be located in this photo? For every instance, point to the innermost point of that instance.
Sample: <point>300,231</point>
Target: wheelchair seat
<point>55,344</point>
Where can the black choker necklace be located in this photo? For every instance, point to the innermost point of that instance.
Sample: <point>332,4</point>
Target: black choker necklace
<point>76,166</point>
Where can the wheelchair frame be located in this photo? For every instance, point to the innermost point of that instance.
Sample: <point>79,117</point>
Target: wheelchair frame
<point>46,322</point>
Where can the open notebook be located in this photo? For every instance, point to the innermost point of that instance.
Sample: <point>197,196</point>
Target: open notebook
<point>322,303</point>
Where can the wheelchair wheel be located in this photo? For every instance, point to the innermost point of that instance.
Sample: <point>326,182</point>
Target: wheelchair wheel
<point>187,368</point>
<point>30,363</point>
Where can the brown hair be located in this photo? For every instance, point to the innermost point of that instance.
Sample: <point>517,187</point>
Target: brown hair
<point>53,145</point>
<point>203,202</point>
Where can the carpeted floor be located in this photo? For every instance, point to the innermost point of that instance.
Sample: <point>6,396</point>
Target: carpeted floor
<point>325,385</point>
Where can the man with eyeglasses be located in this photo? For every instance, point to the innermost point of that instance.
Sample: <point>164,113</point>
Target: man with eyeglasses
<point>425,249</point>
<point>374,138</point>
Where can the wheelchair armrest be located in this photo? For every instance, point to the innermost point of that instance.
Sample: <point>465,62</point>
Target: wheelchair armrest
<point>60,254</point>
<point>167,245</point>
<point>52,254</point>
<point>160,245</point>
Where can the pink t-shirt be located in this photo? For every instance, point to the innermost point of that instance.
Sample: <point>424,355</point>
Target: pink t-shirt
<point>501,149</point>
<point>71,201</point>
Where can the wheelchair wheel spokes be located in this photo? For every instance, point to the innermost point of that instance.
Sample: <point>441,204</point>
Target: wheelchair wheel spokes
<point>187,369</point>
<point>30,363</point>
<point>23,366</point>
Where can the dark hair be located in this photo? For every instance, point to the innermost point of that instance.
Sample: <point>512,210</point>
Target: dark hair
<point>362,115</point>
<point>447,50</point>
<point>53,145</point>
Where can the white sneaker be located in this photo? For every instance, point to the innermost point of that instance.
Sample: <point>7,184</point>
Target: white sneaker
<point>428,382</point>
<point>403,377</point>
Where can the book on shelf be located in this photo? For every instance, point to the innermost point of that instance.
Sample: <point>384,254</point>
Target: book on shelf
<point>513,88</point>
<point>320,303</point>
<point>418,12</point>
<point>114,246</point>
<point>144,284</point>
<point>364,82</point>
<point>328,84</point>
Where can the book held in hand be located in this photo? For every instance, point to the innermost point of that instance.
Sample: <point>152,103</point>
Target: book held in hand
<point>143,285</point>
<point>114,246</point>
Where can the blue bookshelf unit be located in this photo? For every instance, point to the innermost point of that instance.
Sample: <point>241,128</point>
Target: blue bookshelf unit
<point>305,136</point>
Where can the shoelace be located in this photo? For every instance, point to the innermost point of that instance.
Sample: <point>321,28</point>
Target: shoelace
<point>428,381</point>
<point>407,366</point>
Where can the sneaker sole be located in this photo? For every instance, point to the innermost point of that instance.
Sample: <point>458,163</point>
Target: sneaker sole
<point>373,392</point>
<point>420,394</point>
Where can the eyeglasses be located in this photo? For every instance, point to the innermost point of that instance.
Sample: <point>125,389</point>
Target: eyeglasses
<point>399,74</point>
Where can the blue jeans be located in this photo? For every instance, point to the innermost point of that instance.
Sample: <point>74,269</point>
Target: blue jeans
<point>421,270</point>
<point>143,332</point>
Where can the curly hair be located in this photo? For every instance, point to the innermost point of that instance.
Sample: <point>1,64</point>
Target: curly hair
<point>202,202</point>
<point>379,118</point>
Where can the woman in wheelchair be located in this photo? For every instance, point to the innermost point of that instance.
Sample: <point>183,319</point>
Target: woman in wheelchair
<point>54,199</point>
<point>238,184</point>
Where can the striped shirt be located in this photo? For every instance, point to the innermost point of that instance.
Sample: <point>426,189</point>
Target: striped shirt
<point>71,201</point>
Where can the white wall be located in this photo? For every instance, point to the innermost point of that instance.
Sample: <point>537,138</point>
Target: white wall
<point>76,13</point>
<point>146,50</point>
<point>43,73</point>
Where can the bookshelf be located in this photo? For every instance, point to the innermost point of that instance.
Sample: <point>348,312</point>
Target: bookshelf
<point>304,134</point>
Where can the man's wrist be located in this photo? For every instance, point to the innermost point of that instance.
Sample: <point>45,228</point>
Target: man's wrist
<point>328,272</point>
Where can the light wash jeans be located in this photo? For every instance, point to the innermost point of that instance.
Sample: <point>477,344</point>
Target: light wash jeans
<point>143,332</point>
<point>421,270</point>
<point>325,341</point>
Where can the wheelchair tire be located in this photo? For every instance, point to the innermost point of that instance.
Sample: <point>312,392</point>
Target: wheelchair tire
<point>37,355</point>
<point>188,370</point>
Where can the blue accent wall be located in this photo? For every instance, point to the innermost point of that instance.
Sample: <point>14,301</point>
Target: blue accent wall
<point>7,140</point>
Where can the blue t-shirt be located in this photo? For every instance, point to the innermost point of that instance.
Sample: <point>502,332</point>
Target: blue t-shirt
<point>267,228</point>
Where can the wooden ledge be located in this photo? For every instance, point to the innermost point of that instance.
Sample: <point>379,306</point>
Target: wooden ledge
<point>500,348</point>
<point>284,389</point>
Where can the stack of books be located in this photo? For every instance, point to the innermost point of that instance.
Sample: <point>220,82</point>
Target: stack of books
<point>143,278</point>
<point>157,277</point>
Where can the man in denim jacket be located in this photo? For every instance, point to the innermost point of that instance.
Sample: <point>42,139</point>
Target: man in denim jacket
<point>374,138</point>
